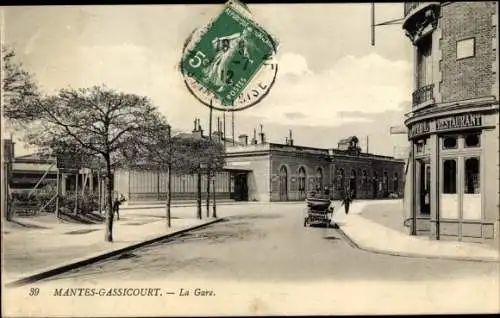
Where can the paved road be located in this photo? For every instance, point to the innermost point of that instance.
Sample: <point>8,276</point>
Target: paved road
<point>264,244</point>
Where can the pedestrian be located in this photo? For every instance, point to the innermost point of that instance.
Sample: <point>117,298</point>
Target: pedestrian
<point>116,206</point>
<point>347,199</point>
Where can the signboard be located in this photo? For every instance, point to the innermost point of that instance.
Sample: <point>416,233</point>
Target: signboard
<point>230,63</point>
<point>456,122</point>
<point>418,129</point>
<point>460,121</point>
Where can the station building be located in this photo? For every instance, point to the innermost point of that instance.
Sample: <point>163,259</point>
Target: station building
<point>453,128</point>
<point>257,170</point>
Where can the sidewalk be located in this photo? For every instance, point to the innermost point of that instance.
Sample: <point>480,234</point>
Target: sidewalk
<point>386,238</point>
<point>39,250</point>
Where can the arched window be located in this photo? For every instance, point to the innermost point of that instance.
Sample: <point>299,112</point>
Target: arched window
<point>396,182</point>
<point>364,181</point>
<point>340,181</point>
<point>385,184</point>
<point>283,183</point>
<point>302,183</point>
<point>352,183</point>
<point>375,184</point>
<point>319,178</point>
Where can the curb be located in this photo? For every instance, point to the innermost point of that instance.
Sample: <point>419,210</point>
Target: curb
<point>413,255</point>
<point>87,261</point>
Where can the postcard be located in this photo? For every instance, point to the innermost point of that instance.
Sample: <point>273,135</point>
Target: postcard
<point>249,158</point>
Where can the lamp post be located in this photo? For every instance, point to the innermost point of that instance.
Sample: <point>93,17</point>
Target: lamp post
<point>203,166</point>
<point>214,212</point>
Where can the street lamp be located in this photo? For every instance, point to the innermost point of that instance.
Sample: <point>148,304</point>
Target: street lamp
<point>214,213</point>
<point>203,166</point>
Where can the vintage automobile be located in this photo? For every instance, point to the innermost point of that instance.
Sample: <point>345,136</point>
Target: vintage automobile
<point>319,210</point>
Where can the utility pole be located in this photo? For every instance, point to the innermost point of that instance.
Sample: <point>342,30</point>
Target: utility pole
<point>208,164</point>
<point>373,24</point>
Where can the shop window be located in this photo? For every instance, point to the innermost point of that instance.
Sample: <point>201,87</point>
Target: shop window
<point>450,176</point>
<point>472,185</point>
<point>450,142</point>
<point>421,146</point>
<point>472,140</point>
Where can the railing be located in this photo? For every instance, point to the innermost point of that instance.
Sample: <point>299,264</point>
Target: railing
<point>423,94</point>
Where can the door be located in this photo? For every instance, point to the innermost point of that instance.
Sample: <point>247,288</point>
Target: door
<point>283,183</point>
<point>240,187</point>
<point>423,185</point>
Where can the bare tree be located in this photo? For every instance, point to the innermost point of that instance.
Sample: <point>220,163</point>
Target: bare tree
<point>103,124</point>
<point>182,153</point>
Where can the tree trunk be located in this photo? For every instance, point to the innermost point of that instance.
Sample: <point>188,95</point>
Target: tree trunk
<point>169,194</point>
<point>109,212</point>
<point>198,193</point>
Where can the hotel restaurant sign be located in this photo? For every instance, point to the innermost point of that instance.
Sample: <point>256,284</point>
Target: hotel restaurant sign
<point>456,122</point>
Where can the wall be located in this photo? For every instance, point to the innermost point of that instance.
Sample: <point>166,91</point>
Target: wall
<point>257,165</point>
<point>490,154</point>
<point>470,77</point>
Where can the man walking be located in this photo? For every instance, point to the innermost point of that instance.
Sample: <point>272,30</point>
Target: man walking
<point>347,199</point>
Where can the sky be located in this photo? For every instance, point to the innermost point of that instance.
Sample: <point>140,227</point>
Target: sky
<point>332,83</point>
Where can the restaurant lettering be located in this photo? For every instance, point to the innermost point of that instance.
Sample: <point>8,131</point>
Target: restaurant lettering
<point>460,121</point>
<point>447,123</point>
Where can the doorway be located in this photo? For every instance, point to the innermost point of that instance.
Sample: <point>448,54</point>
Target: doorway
<point>240,191</point>
<point>423,185</point>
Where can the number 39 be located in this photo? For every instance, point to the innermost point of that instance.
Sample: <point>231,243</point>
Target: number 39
<point>196,60</point>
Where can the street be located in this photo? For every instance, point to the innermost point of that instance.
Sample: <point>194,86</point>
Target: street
<point>268,244</point>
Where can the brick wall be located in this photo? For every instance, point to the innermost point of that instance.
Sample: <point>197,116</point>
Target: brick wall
<point>293,162</point>
<point>471,77</point>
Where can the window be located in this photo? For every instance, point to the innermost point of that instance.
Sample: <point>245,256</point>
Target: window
<point>450,142</point>
<point>364,183</point>
<point>465,48</point>
<point>424,62</point>
<point>319,178</point>
<point>302,179</point>
<point>396,183</point>
<point>420,145</point>
<point>450,176</point>
<point>472,185</point>
<point>472,140</point>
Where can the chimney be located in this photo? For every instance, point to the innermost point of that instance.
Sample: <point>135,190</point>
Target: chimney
<point>290,138</point>
<point>254,139</point>
<point>262,136</point>
<point>197,128</point>
<point>243,139</point>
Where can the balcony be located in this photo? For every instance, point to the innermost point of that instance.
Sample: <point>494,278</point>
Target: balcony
<point>409,6</point>
<point>421,18</point>
<point>423,97</point>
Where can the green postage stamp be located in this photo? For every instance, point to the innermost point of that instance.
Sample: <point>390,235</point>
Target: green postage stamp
<point>227,55</point>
